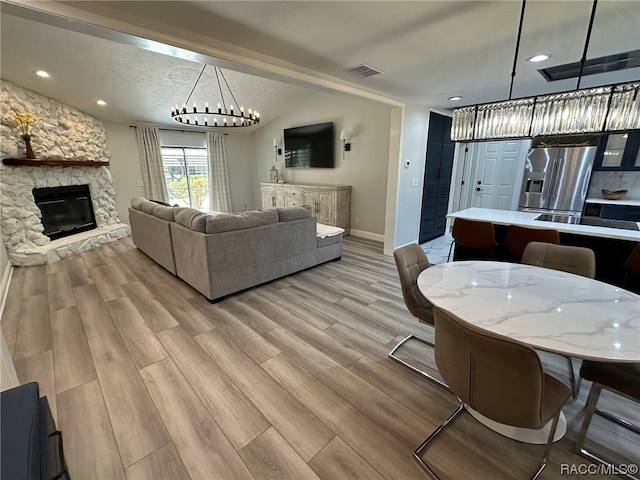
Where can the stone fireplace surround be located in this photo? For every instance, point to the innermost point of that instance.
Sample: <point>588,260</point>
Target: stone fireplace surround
<point>64,132</point>
<point>21,218</point>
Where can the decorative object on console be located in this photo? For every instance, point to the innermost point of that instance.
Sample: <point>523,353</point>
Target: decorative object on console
<point>346,145</point>
<point>274,174</point>
<point>613,194</point>
<point>25,122</point>
<point>219,117</point>
<point>593,110</point>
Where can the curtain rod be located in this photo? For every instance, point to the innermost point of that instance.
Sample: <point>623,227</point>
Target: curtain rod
<point>174,130</point>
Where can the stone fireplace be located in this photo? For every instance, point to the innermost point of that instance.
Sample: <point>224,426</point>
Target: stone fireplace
<point>22,228</point>
<point>77,143</point>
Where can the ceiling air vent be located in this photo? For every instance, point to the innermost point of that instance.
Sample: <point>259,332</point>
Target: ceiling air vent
<point>363,71</point>
<point>609,63</point>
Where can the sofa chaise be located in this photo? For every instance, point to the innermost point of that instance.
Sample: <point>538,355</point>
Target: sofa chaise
<point>219,253</point>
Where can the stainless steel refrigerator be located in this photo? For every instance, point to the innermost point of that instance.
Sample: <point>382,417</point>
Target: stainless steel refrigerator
<point>556,179</point>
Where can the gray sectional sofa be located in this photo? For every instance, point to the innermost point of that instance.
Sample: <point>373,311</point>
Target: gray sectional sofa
<point>219,254</point>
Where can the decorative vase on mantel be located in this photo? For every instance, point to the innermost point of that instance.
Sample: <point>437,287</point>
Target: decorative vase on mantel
<point>27,141</point>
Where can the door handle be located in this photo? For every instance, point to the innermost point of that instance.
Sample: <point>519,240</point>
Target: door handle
<point>478,189</point>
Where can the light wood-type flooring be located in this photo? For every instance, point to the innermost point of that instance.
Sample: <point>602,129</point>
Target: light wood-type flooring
<point>289,380</point>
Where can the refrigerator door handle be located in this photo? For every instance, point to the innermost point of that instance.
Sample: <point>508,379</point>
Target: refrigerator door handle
<point>555,173</point>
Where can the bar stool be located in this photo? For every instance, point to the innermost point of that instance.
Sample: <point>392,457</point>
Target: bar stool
<point>519,237</point>
<point>476,238</point>
<point>632,274</point>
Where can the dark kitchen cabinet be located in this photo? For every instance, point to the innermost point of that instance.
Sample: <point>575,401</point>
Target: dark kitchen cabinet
<point>618,152</point>
<point>437,178</point>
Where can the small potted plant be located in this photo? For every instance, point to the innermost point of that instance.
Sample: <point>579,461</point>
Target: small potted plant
<point>24,122</point>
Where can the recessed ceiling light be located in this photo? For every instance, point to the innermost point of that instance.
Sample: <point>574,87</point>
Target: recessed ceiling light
<point>455,98</point>
<point>539,58</point>
<point>101,102</point>
<point>42,73</point>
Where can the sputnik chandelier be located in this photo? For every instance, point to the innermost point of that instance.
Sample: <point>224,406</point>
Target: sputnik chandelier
<point>221,116</point>
<point>603,109</point>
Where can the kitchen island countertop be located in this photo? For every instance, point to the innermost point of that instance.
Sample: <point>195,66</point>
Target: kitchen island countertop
<point>604,201</point>
<point>528,219</point>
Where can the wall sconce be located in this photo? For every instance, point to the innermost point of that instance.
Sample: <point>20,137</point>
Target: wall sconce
<point>276,146</point>
<point>346,146</point>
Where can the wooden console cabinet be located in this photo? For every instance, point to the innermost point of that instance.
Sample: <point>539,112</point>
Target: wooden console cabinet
<point>330,204</point>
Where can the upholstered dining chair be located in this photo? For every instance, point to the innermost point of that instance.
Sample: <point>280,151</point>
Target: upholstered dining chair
<point>518,237</point>
<point>498,377</point>
<point>577,260</point>
<point>476,237</point>
<point>411,261</point>
<point>620,378</point>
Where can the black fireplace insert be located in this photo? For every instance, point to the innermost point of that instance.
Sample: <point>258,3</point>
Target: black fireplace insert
<point>65,210</point>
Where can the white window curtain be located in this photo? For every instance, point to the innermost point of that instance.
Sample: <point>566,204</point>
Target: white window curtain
<point>155,187</point>
<point>219,188</point>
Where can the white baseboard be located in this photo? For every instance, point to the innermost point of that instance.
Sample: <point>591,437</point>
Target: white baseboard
<point>368,235</point>
<point>4,286</point>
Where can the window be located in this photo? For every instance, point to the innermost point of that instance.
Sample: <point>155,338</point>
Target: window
<point>186,172</point>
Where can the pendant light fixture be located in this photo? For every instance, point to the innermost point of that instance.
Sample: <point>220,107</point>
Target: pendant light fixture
<point>221,116</point>
<point>609,108</point>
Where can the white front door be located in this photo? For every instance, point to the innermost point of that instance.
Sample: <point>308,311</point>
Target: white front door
<point>497,168</point>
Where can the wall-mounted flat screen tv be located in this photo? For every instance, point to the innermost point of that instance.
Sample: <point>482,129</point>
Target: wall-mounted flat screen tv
<point>309,146</point>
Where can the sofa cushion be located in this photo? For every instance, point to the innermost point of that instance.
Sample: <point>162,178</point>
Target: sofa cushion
<point>165,213</point>
<point>191,218</point>
<point>292,213</point>
<point>226,222</point>
<point>136,202</point>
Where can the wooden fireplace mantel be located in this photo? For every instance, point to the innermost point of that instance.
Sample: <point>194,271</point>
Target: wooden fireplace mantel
<point>54,162</point>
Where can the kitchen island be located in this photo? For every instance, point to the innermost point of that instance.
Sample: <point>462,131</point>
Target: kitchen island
<point>612,246</point>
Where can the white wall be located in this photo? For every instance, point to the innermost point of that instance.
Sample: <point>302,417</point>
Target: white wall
<point>242,167</point>
<point>415,125</point>
<point>124,166</point>
<point>126,172</point>
<point>364,167</point>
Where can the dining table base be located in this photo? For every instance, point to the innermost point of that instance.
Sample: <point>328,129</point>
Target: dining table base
<point>525,435</point>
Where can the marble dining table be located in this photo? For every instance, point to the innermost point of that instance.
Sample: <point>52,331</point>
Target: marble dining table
<point>550,310</point>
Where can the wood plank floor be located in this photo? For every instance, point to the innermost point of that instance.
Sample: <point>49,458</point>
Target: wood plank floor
<point>288,380</point>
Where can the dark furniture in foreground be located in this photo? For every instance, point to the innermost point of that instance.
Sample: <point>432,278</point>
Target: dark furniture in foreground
<point>31,445</point>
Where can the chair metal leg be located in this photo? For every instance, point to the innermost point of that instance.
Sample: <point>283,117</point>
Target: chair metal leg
<point>453,242</point>
<point>591,408</point>
<point>422,373</point>
<point>547,450</point>
<point>424,445</point>
<point>575,384</point>
<point>417,453</point>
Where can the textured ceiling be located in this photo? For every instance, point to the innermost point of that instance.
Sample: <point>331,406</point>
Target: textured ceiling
<point>138,85</point>
<point>428,50</point>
